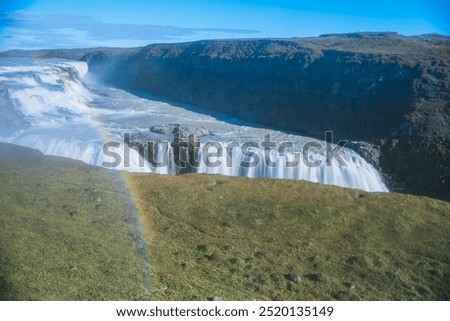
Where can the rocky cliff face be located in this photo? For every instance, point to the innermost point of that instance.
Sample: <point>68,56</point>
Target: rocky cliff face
<point>381,88</point>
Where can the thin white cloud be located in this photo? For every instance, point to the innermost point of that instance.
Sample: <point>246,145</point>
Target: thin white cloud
<point>27,30</point>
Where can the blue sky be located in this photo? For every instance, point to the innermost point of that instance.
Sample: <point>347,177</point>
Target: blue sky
<point>28,24</point>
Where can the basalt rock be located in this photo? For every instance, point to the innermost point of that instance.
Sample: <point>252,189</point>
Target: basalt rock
<point>370,152</point>
<point>185,146</point>
<point>182,131</point>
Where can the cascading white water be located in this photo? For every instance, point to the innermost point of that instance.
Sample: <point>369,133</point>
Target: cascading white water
<point>355,172</point>
<point>49,106</point>
<point>53,107</point>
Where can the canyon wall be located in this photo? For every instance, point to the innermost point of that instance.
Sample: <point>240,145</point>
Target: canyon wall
<point>378,89</point>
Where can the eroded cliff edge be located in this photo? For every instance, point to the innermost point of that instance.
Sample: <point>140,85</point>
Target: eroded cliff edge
<point>381,88</point>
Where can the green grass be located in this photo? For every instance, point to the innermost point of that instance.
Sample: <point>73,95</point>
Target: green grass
<point>244,239</point>
<point>64,232</point>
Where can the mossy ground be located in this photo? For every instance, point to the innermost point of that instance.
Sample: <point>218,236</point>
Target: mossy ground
<point>64,231</point>
<point>245,239</point>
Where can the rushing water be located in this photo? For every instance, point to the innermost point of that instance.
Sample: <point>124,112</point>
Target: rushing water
<point>57,107</point>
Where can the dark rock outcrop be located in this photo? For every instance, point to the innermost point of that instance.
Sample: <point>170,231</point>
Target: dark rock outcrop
<point>182,131</point>
<point>185,151</point>
<point>184,143</point>
<point>370,152</point>
<point>380,88</point>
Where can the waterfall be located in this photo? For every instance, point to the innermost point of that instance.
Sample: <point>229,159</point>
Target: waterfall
<point>51,106</point>
<point>354,173</point>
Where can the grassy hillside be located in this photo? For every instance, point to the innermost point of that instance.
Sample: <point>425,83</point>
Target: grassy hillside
<point>66,234</point>
<point>245,239</point>
<point>64,231</point>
